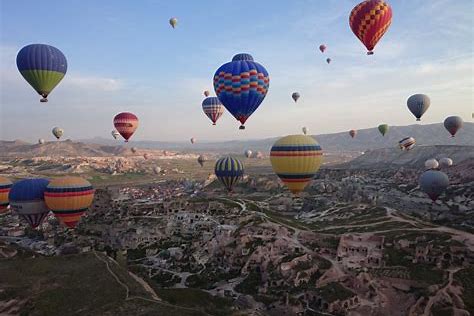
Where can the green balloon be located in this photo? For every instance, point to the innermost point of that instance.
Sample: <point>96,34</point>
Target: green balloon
<point>383,129</point>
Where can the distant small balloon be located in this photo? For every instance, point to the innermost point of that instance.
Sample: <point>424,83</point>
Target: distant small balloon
<point>134,149</point>
<point>453,124</point>
<point>305,130</point>
<point>445,162</point>
<point>407,143</point>
<point>431,164</point>
<point>418,104</point>
<point>328,60</point>
<point>353,133</point>
<point>41,141</point>
<point>433,183</point>
<point>173,22</point>
<point>248,153</point>
<point>295,96</point>
<point>146,156</point>
<point>383,129</point>
<point>58,132</point>
<point>322,48</point>
<point>157,170</point>
<point>193,140</point>
<point>201,160</point>
<point>115,134</point>
<point>206,93</point>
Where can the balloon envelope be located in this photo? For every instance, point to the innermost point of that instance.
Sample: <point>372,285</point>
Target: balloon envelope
<point>201,160</point>
<point>43,66</point>
<point>453,124</point>
<point>41,141</point>
<point>445,162</point>
<point>353,133</point>
<point>213,108</point>
<point>383,129</point>
<point>328,60</point>
<point>126,124</point>
<point>69,198</point>
<point>322,48</point>
<point>206,93</point>
<point>58,132</point>
<point>295,96</point>
<point>248,153</point>
<point>433,183</point>
<point>134,149</point>
<point>369,20</point>
<point>173,22</point>
<point>305,130</point>
<point>229,171</point>
<point>157,170</point>
<point>296,159</point>
<point>27,200</point>
<point>5,186</point>
<point>407,143</point>
<point>418,104</point>
<point>431,164</point>
<point>115,134</point>
<point>241,85</point>
<point>193,140</point>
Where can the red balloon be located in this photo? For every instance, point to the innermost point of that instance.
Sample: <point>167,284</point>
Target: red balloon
<point>126,124</point>
<point>353,133</point>
<point>369,20</point>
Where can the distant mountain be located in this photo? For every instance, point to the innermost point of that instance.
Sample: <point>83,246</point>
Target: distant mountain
<point>415,158</point>
<point>366,139</point>
<point>65,148</point>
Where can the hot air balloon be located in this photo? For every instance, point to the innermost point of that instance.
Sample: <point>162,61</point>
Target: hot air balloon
<point>369,20</point>
<point>69,198</point>
<point>146,156</point>
<point>418,104</point>
<point>157,170</point>
<point>193,140</point>
<point>296,159</point>
<point>206,93</point>
<point>328,60</point>
<point>322,48</point>
<point>295,96</point>
<point>43,66</point>
<point>407,143</point>
<point>248,153</point>
<point>241,85</point>
<point>445,162</point>
<point>353,133</point>
<point>213,108</point>
<point>41,141</point>
<point>201,160</point>
<point>115,134</point>
<point>229,171</point>
<point>27,200</point>
<point>383,129</point>
<point>259,155</point>
<point>173,22</point>
<point>134,149</point>
<point>433,183</point>
<point>453,124</point>
<point>58,132</point>
<point>126,124</point>
<point>431,164</point>
<point>5,186</point>
<point>305,130</point>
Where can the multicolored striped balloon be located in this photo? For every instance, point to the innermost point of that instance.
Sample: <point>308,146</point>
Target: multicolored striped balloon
<point>69,198</point>
<point>5,186</point>
<point>27,200</point>
<point>229,171</point>
<point>241,85</point>
<point>213,108</point>
<point>43,66</point>
<point>407,143</point>
<point>369,20</point>
<point>296,159</point>
<point>126,124</point>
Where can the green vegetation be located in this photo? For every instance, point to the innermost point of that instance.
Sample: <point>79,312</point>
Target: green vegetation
<point>76,285</point>
<point>466,278</point>
<point>197,299</point>
<point>396,257</point>
<point>207,278</point>
<point>426,274</point>
<point>334,291</point>
<point>250,284</point>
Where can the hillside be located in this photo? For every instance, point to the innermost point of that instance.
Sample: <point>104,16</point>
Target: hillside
<point>366,139</point>
<point>88,284</point>
<point>415,158</point>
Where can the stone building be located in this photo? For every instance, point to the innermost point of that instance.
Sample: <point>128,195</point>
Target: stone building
<point>357,251</point>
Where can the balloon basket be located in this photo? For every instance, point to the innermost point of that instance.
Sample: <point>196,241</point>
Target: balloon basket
<point>43,100</point>
<point>370,53</point>
<point>242,127</point>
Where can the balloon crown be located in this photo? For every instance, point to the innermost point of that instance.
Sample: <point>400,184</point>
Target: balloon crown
<point>242,56</point>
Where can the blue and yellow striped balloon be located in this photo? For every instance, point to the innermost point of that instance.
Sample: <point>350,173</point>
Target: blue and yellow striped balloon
<point>229,171</point>
<point>5,186</point>
<point>43,66</point>
<point>27,200</point>
<point>69,198</point>
<point>296,159</point>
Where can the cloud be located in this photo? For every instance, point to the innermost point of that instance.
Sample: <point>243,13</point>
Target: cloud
<point>93,82</point>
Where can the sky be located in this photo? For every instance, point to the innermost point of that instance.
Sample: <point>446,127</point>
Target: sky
<point>124,56</point>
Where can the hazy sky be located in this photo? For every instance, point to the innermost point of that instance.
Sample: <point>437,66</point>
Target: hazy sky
<point>124,56</point>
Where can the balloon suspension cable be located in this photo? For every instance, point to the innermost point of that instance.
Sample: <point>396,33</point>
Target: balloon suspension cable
<point>370,52</point>
<point>242,127</point>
